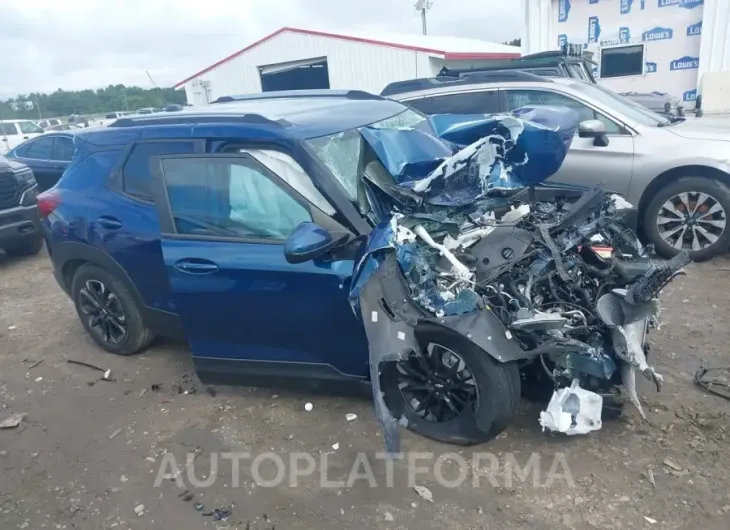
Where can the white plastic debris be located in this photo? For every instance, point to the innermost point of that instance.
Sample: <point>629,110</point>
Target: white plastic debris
<point>515,214</point>
<point>374,316</point>
<point>650,520</point>
<point>573,410</point>
<point>308,407</point>
<point>139,510</point>
<point>460,269</point>
<point>336,446</point>
<point>389,516</point>
<point>12,421</point>
<point>424,493</point>
<point>620,203</point>
<point>350,417</point>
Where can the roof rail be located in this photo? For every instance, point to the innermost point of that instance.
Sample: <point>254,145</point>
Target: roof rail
<point>324,93</point>
<point>180,118</point>
<point>468,78</point>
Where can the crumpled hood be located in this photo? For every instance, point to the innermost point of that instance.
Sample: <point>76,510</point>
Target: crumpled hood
<point>492,152</point>
<point>499,153</point>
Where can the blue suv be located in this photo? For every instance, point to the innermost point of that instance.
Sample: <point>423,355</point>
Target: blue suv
<point>178,221</point>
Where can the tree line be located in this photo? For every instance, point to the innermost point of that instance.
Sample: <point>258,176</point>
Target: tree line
<point>101,101</point>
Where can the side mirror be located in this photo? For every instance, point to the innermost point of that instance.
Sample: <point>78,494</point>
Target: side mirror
<point>309,241</point>
<point>593,129</point>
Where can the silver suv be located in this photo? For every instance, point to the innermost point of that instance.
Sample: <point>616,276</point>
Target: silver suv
<point>675,170</point>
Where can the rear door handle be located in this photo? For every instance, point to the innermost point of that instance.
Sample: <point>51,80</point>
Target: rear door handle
<point>196,266</point>
<point>107,221</point>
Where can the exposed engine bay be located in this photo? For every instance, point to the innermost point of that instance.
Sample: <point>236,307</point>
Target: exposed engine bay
<point>546,277</point>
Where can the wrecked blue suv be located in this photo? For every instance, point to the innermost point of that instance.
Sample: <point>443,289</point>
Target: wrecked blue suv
<point>267,229</point>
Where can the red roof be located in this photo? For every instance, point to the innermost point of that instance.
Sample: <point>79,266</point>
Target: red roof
<point>445,53</point>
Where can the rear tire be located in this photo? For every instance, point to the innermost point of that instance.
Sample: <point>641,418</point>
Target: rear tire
<point>693,188</point>
<point>108,311</point>
<point>26,248</point>
<point>497,390</point>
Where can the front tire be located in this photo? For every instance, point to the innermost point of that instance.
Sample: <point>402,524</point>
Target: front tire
<point>690,214</point>
<point>108,311</point>
<point>480,387</point>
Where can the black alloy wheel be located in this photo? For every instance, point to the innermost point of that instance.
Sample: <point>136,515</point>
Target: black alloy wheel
<point>437,385</point>
<point>104,312</point>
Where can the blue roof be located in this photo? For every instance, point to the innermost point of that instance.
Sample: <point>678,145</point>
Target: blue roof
<point>296,114</point>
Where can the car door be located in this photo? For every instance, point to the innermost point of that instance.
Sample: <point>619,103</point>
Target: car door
<point>38,156</point>
<point>250,316</point>
<point>586,163</point>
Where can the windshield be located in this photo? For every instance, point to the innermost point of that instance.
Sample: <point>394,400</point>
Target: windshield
<point>624,105</point>
<point>341,152</point>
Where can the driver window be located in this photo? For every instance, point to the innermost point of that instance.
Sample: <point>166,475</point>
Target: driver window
<point>521,98</point>
<point>229,198</point>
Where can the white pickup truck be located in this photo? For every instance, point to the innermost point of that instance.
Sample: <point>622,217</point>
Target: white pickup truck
<point>15,132</point>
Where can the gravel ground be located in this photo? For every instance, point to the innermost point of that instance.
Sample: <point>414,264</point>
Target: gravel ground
<point>88,453</point>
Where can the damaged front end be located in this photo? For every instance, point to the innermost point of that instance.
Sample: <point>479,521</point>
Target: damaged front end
<point>474,245</point>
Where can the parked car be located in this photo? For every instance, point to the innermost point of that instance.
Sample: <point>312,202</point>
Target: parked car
<point>659,102</point>
<point>20,224</point>
<point>48,156</point>
<point>147,110</point>
<point>48,123</point>
<point>173,107</point>
<point>572,62</point>
<point>675,170</point>
<point>15,132</point>
<point>150,234</point>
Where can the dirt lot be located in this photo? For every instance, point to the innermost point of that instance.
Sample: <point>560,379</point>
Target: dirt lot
<point>89,452</point>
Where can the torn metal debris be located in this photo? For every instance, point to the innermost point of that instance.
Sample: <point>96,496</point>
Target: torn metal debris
<point>533,275</point>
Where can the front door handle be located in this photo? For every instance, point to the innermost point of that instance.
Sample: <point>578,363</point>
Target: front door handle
<point>196,266</point>
<point>107,221</point>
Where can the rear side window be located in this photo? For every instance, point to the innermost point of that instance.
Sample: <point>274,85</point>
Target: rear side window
<point>40,149</point>
<point>136,175</point>
<point>63,148</point>
<point>463,103</point>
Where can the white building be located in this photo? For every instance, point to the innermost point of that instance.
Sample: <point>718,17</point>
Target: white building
<point>677,46</point>
<point>292,59</point>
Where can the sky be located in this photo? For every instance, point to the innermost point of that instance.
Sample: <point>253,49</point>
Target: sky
<point>79,44</point>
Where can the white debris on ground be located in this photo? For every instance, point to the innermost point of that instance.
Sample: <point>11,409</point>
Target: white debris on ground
<point>573,410</point>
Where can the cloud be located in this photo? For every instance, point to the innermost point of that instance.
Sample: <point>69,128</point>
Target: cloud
<point>76,44</point>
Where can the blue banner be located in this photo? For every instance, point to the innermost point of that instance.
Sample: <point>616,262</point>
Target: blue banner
<point>594,29</point>
<point>563,10</point>
<point>658,33</point>
<point>690,95</point>
<point>626,6</point>
<point>685,63</point>
<point>592,1</point>
<point>694,29</point>
<point>687,4</point>
<point>650,67</point>
<point>562,40</point>
<point>624,35</point>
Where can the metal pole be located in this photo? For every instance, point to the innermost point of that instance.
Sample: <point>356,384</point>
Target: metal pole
<point>423,6</point>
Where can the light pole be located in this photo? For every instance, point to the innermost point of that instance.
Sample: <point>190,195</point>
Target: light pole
<point>423,6</point>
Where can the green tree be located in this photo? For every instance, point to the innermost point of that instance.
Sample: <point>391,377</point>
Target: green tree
<point>113,98</point>
<point>513,42</point>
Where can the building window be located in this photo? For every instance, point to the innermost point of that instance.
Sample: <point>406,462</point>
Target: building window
<point>622,61</point>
